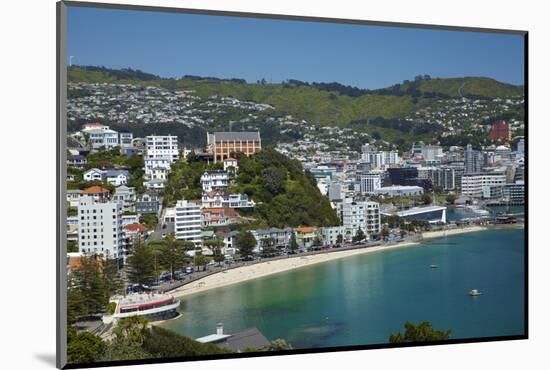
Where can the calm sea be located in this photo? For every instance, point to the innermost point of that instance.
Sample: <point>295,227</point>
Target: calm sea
<point>362,299</point>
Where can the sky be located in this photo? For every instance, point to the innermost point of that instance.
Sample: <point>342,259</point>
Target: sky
<point>366,56</point>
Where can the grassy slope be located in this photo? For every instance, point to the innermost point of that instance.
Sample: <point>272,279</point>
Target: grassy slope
<point>471,85</point>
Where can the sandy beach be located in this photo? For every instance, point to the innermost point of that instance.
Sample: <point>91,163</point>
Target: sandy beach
<point>258,270</point>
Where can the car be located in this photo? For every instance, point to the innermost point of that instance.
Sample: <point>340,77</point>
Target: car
<point>188,270</point>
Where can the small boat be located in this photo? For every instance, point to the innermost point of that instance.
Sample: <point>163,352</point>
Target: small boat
<point>474,292</point>
<point>434,266</point>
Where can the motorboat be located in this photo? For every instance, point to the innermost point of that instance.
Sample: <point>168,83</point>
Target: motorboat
<point>474,292</point>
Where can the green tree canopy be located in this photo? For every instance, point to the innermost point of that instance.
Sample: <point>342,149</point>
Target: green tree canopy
<point>246,243</point>
<point>423,332</point>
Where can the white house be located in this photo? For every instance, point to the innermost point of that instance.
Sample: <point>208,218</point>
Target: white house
<point>214,180</point>
<point>94,174</point>
<point>117,177</point>
<point>126,197</point>
<point>230,164</point>
<point>101,136</point>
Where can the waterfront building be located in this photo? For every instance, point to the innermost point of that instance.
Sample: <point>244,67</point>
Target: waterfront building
<point>432,214</point>
<point>214,180</point>
<point>237,342</point>
<point>483,185</point>
<point>330,234</point>
<point>152,306</point>
<point>162,147</point>
<point>305,236</point>
<point>100,228</point>
<point>514,193</point>
<point>273,237</point>
<point>126,197</point>
<point>188,221</point>
<point>364,215</point>
<point>222,144</point>
<point>399,191</point>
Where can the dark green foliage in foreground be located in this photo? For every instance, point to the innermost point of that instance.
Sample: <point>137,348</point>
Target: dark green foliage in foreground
<point>163,343</point>
<point>422,332</point>
<point>134,339</point>
<point>84,347</point>
<point>90,286</point>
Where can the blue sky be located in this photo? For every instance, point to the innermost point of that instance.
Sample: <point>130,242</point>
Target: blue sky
<point>174,44</point>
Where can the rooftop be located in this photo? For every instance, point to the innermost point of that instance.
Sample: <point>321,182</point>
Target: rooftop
<point>95,190</point>
<point>242,135</point>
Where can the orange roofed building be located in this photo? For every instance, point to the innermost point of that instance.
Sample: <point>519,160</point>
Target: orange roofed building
<point>305,235</point>
<point>99,193</point>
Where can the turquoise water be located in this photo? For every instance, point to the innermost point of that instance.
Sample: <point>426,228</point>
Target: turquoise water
<point>362,299</point>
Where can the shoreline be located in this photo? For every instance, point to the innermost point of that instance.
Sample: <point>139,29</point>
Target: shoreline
<point>263,269</point>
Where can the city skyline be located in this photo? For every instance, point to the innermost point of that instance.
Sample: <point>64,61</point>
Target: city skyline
<point>365,56</point>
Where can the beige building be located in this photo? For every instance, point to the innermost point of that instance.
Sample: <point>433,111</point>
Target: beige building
<point>222,144</point>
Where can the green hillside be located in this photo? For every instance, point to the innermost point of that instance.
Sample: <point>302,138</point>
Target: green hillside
<point>478,86</point>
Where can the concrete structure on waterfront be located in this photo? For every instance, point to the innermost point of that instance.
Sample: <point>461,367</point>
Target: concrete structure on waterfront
<point>432,214</point>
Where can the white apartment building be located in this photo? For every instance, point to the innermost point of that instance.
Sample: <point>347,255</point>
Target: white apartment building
<point>370,181</point>
<point>100,136</point>
<point>432,152</point>
<point>373,218</point>
<point>483,185</point>
<point>125,139</point>
<point>214,180</point>
<point>330,234</point>
<point>100,228</point>
<point>188,221</point>
<point>353,218</point>
<point>162,147</point>
<point>126,197</point>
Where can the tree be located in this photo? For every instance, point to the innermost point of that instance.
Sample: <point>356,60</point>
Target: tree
<point>278,345</point>
<point>83,347</point>
<point>149,220</point>
<point>72,246</point>
<point>317,241</point>
<point>293,245</point>
<point>274,180</point>
<point>339,239</point>
<point>359,235</point>
<point>426,199</point>
<point>218,255</point>
<point>422,332</point>
<point>246,243</point>
<point>171,253</point>
<point>200,260</point>
<point>141,264</point>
